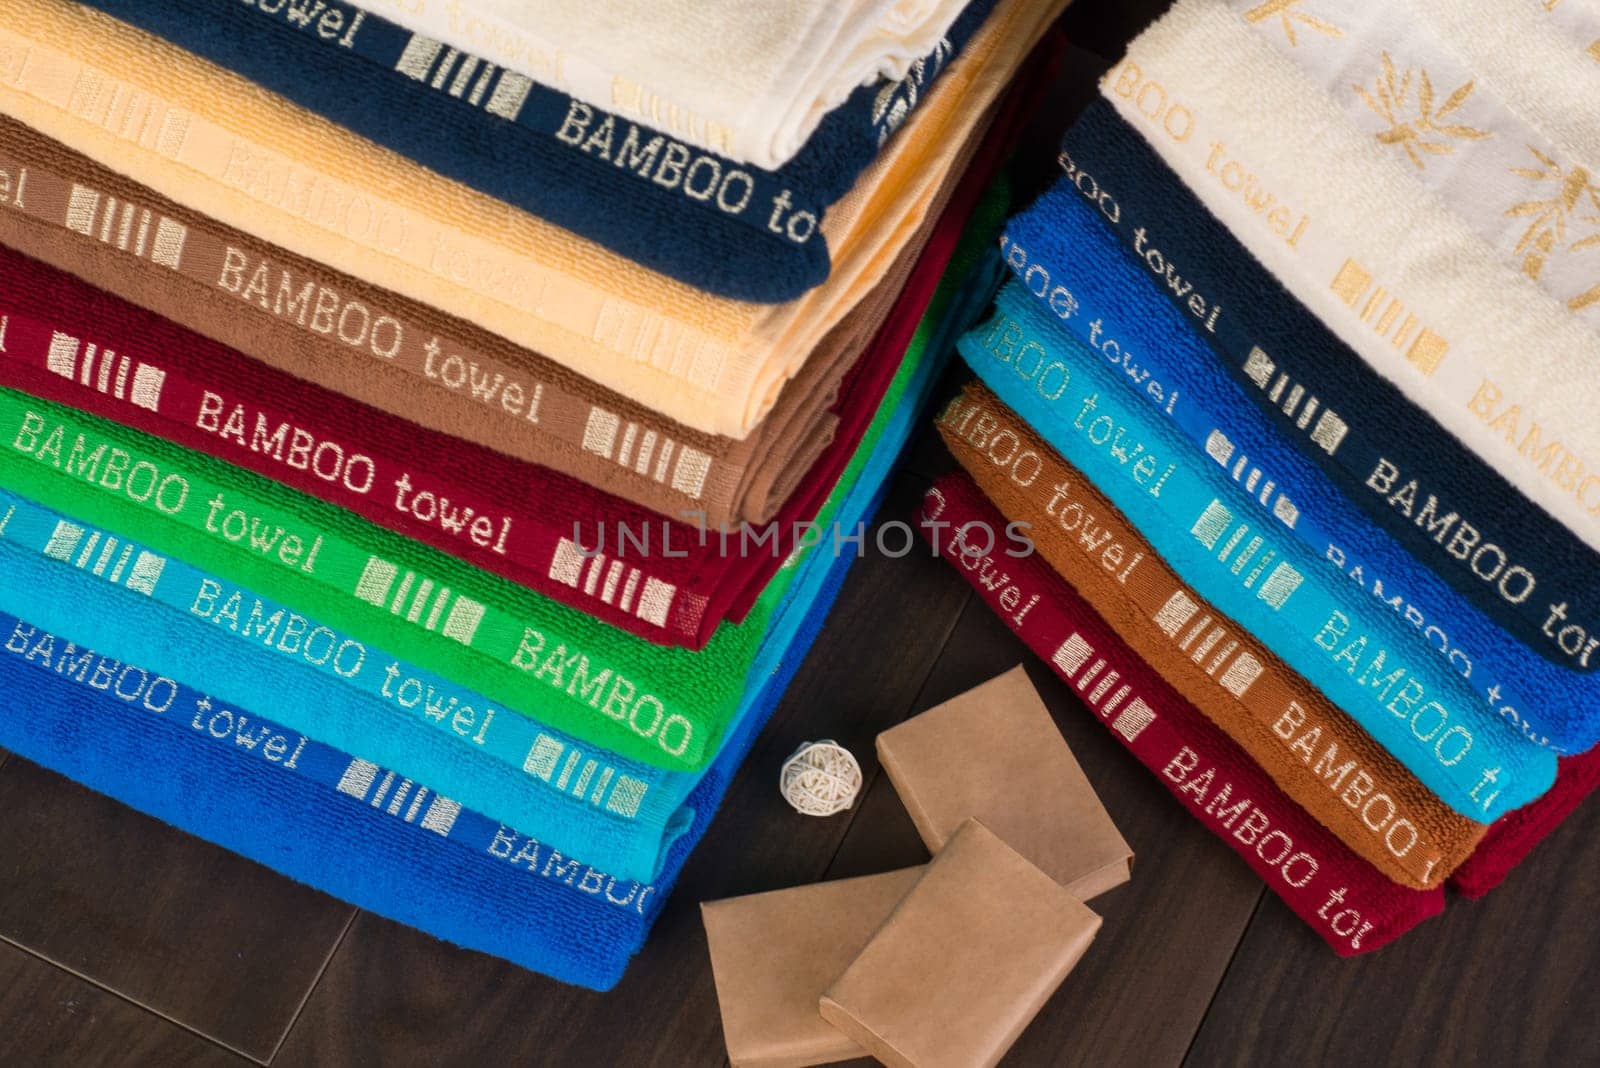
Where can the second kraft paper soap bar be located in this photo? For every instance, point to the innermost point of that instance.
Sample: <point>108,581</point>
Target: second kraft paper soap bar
<point>964,962</point>
<point>994,754</point>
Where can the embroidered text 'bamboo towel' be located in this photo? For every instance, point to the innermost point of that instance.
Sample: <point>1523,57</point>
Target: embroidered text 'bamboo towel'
<point>379,348</point>
<point>1326,629</point>
<point>736,231</point>
<point>593,959</point>
<point>749,81</point>
<point>229,149</point>
<point>1341,896</point>
<point>103,590</point>
<point>1319,755</point>
<point>1449,509</point>
<point>1095,288</point>
<point>1412,90</point>
<point>1496,361</point>
<point>519,649</point>
<point>446,870</point>
<point>674,584</point>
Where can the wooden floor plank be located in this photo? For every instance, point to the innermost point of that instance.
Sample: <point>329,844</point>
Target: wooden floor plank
<point>1143,988</point>
<point>1510,979</point>
<point>392,993</point>
<point>190,930</point>
<point>53,1017</point>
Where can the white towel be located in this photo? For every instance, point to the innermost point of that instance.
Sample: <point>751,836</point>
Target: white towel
<point>1534,55</point>
<point>748,80</point>
<point>1411,89</point>
<point>1345,225</point>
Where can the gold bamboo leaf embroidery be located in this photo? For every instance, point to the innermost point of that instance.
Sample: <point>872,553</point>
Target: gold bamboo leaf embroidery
<point>1418,128</point>
<point>1567,200</point>
<point>1288,13</point>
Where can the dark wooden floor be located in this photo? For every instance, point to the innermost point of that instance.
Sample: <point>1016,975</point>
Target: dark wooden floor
<point>123,941</point>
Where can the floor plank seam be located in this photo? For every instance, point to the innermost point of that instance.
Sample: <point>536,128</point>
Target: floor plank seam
<point>933,665</point>
<point>120,996</point>
<point>1222,979</point>
<point>333,951</point>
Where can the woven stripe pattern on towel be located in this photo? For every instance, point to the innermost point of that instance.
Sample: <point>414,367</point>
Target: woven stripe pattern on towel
<point>738,231</point>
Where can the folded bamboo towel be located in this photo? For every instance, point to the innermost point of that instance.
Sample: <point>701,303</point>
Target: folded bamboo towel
<point>348,826</point>
<point>546,660</point>
<point>101,590</point>
<point>1107,296</point>
<point>1350,646</point>
<point>378,347</point>
<point>399,356</point>
<point>1417,92</point>
<point>572,921</point>
<point>1492,358</point>
<point>697,217</point>
<point>674,584</point>
<point>235,152</point>
<point>664,706</point>
<point>1337,893</point>
<point>750,81</point>
<point>1513,836</point>
<point>1316,753</point>
<point>1384,454</point>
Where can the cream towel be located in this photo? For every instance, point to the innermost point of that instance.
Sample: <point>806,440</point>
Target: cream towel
<point>748,80</point>
<point>1346,226</point>
<point>227,148</point>
<point>1531,54</point>
<point>1409,88</point>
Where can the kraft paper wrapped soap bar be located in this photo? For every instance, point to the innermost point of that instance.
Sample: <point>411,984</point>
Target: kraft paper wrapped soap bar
<point>964,962</point>
<point>773,955</point>
<point>994,754</point>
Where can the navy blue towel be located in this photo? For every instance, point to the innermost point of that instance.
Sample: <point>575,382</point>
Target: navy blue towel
<point>728,228</point>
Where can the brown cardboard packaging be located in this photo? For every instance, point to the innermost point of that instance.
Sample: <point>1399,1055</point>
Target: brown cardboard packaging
<point>964,962</point>
<point>994,753</point>
<point>773,955</point>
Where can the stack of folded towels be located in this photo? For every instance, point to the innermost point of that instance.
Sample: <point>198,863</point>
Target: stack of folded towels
<point>1288,375</point>
<point>413,416</point>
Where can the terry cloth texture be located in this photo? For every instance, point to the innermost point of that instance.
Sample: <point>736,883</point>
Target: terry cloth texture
<point>1317,754</point>
<point>1109,297</point>
<point>630,814</point>
<point>379,348</point>
<point>1337,893</point>
<point>1494,359</point>
<point>1413,90</point>
<point>748,81</point>
<point>1330,631</point>
<point>448,871</point>
<point>391,353</point>
<point>235,152</point>
<point>1512,837</point>
<point>571,665</point>
<point>585,937</point>
<point>1384,454</point>
<point>741,232</point>
<point>396,355</point>
<point>672,585</point>
<point>103,590</point>
<point>1542,58</point>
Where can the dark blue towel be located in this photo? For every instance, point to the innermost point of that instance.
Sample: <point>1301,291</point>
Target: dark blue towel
<point>731,229</point>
